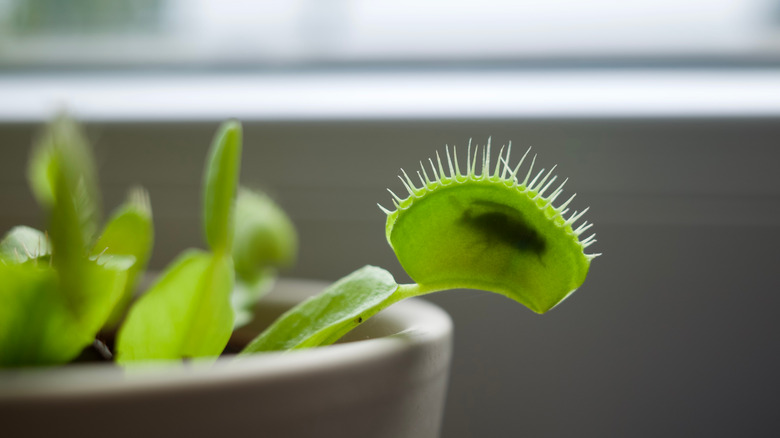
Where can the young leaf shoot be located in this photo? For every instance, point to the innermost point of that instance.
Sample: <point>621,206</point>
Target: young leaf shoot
<point>54,297</point>
<point>220,184</point>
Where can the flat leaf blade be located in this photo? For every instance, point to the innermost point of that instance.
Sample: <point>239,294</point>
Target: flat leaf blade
<point>36,324</point>
<point>185,314</point>
<point>323,319</point>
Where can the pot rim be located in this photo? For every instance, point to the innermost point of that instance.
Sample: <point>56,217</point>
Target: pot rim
<point>411,324</point>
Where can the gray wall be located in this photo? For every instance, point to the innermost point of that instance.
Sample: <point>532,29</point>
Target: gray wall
<point>673,334</point>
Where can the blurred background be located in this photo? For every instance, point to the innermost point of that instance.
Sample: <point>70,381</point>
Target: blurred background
<point>665,115</point>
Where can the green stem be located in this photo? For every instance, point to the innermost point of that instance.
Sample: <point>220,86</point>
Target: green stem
<point>415,290</point>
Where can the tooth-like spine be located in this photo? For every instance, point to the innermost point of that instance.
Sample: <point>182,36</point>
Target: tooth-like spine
<point>589,241</point>
<point>486,160</point>
<point>576,216</point>
<point>468,159</point>
<point>422,181</point>
<point>532,184</point>
<point>517,168</point>
<point>473,168</point>
<point>582,228</point>
<point>408,184</point>
<point>457,165</point>
<point>557,191</point>
<point>510,182</point>
<point>436,178</point>
<point>528,175</point>
<point>506,168</point>
<point>397,198</point>
<point>498,163</point>
<point>449,163</point>
<point>427,181</point>
<point>562,206</point>
<point>442,175</point>
<point>539,192</point>
<point>502,172</point>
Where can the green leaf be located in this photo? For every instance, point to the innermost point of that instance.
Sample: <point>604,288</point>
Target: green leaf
<point>185,314</point>
<point>264,238</point>
<point>128,232</point>
<point>40,324</point>
<point>22,244</point>
<point>36,324</point>
<point>221,180</point>
<point>488,230</point>
<point>93,287</point>
<point>63,178</point>
<point>323,319</point>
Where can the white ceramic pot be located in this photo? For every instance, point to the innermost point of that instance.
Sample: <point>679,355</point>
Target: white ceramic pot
<point>388,380</point>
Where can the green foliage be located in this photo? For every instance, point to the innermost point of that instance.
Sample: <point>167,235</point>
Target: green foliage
<point>54,296</point>
<point>44,323</point>
<point>265,240</point>
<point>36,324</point>
<point>185,314</point>
<point>220,184</point>
<point>323,319</point>
<point>129,231</point>
<point>188,313</point>
<point>58,289</point>
<point>484,230</point>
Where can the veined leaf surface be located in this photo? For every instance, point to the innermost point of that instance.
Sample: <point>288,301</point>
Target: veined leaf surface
<point>324,318</point>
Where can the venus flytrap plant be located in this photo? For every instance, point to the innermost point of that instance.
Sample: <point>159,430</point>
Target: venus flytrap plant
<point>485,227</point>
<point>58,290</point>
<point>56,297</point>
<point>482,228</point>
